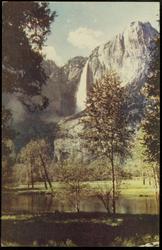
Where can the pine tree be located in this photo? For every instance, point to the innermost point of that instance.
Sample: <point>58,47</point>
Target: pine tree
<point>25,26</point>
<point>8,150</point>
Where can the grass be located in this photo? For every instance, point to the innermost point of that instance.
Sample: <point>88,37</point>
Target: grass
<point>136,188</point>
<point>133,188</point>
<point>136,240</point>
<point>129,187</point>
<point>17,217</point>
<point>84,229</point>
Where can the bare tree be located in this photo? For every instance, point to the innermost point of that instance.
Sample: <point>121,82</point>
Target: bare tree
<point>73,177</point>
<point>104,194</point>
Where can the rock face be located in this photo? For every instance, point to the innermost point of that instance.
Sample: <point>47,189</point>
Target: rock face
<point>60,90</point>
<point>129,55</point>
<point>61,87</point>
<point>68,142</point>
<point>72,72</point>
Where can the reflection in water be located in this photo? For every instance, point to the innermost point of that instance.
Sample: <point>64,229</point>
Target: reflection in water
<point>35,203</point>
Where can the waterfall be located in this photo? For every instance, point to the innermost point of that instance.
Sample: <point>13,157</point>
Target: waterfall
<point>82,90</point>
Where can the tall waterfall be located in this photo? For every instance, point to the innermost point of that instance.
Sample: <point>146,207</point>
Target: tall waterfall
<point>82,90</point>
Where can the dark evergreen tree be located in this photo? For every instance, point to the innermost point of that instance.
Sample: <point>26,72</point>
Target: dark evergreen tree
<point>25,26</point>
<point>151,122</point>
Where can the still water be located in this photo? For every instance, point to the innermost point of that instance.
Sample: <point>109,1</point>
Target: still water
<point>39,203</point>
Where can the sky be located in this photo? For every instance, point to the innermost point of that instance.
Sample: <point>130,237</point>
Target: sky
<point>81,26</point>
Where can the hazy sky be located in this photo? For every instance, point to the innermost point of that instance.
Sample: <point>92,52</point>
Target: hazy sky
<point>81,26</point>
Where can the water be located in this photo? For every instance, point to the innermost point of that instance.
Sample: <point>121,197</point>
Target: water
<point>39,203</point>
<point>82,90</point>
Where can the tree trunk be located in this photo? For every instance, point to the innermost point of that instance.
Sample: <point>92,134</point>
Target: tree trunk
<point>32,178</point>
<point>77,199</point>
<point>113,187</point>
<point>113,177</point>
<point>108,210</point>
<point>156,184</point>
<point>45,184</point>
<point>28,179</point>
<point>107,207</point>
<point>44,179</point>
<point>46,173</point>
<point>77,207</point>
<point>144,179</point>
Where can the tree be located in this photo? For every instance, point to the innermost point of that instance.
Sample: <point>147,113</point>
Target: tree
<point>25,26</point>
<point>7,132</point>
<point>151,121</point>
<point>36,157</point>
<point>37,129</point>
<point>8,160</point>
<point>73,176</point>
<point>106,120</point>
<point>104,194</point>
<point>137,165</point>
<point>8,150</point>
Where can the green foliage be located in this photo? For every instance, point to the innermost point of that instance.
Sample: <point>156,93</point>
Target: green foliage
<point>107,120</point>
<point>25,26</point>
<point>99,170</point>
<point>33,161</point>
<point>33,150</point>
<point>37,129</point>
<point>136,164</point>
<point>7,132</point>
<point>151,122</point>
<point>107,124</point>
<point>8,149</point>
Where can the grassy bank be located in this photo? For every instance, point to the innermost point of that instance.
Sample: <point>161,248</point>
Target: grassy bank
<point>134,188</point>
<point>84,229</point>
